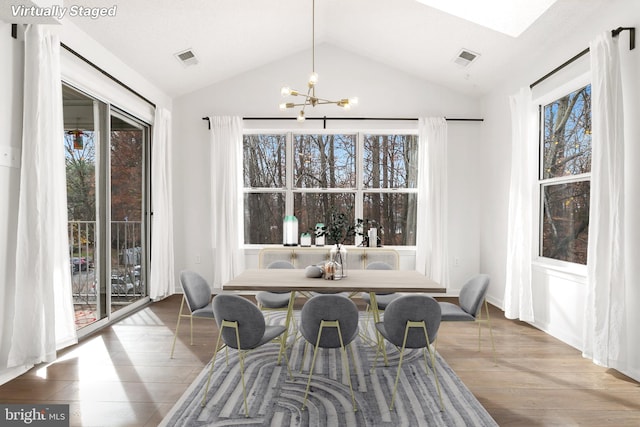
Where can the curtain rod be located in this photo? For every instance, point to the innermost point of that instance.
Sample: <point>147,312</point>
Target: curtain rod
<point>124,85</point>
<point>614,33</point>
<point>351,118</point>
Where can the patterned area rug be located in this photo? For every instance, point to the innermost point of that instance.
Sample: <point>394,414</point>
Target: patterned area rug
<point>276,400</point>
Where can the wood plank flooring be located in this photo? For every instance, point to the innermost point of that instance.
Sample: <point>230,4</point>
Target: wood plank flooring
<point>123,376</point>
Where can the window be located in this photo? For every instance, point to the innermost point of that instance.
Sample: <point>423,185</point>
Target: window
<point>565,173</point>
<point>369,176</point>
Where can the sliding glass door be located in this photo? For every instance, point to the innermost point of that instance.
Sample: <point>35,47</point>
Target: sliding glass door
<point>106,152</point>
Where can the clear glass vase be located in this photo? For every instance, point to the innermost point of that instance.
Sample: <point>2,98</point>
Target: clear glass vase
<point>338,254</point>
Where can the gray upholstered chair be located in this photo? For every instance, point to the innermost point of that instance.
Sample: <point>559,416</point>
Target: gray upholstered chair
<point>197,296</point>
<point>329,321</point>
<point>383,299</point>
<point>469,309</point>
<point>275,300</point>
<point>412,321</point>
<point>242,327</point>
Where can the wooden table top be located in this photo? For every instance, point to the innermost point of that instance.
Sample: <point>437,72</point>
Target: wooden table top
<point>379,281</point>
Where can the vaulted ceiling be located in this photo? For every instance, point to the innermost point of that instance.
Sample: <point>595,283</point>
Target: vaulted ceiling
<point>234,36</point>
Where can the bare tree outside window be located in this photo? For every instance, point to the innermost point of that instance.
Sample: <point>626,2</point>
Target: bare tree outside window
<point>264,159</point>
<point>263,215</point>
<point>565,177</point>
<point>324,161</point>
<point>391,163</point>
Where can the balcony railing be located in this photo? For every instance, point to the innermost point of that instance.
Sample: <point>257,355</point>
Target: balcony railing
<point>127,282</point>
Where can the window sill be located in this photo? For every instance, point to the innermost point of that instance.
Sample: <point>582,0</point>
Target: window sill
<point>254,249</point>
<point>258,247</point>
<point>573,270</point>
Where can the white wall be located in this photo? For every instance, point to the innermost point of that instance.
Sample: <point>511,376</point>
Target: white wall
<point>559,295</point>
<point>382,92</point>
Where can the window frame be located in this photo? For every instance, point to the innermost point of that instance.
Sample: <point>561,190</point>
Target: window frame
<point>578,82</point>
<point>359,190</point>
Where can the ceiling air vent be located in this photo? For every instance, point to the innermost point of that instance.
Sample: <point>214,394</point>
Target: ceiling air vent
<point>187,57</point>
<point>465,57</point>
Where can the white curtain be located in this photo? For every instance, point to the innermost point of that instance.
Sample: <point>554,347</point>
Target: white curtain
<point>604,334</point>
<point>432,255</point>
<point>226,198</point>
<point>518,298</point>
<point>162,264</point>
<point>44,315</point>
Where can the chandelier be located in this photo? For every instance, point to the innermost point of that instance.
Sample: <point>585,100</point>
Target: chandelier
<point>310,97</point>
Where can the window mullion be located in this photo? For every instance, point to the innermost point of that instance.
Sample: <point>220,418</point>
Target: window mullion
<point>359,174</point>
<point>289,174</point>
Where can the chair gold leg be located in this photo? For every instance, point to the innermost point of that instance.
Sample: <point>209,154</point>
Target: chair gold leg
<point>287,322</point>
<point>376,318</point>
<point>380,349</point>
<point>313,362</point>
<point>422,325</point>
<point>191,330</point>
<point>433,366</point>
<point>493,346</point>
<point>213,361</point>
<point>395,385</point>
<point>346,361</point>
<point>424,356</point>
<point>304,356</point>
<point>363,335</point>
<point>329,324</point>
<point>283,348</point>
<point>175,336</point>
<point>353,352</point>
<point>375,360</point>
<point>241,357</point>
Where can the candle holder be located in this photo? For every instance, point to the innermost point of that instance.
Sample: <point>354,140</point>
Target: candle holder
<point>290,231</point>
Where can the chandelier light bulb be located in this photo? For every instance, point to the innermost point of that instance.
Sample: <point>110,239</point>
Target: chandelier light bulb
<point>285,91</point>
<point>301,117</point>
<point>285,105</point>
<point>313,79</point>
<point>353,101</point>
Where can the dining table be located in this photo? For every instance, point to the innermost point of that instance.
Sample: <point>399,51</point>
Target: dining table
<point>356,281</point>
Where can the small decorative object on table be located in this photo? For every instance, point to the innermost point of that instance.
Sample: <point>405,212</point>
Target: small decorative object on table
<point>330,268</point>
<point>314,271</point>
